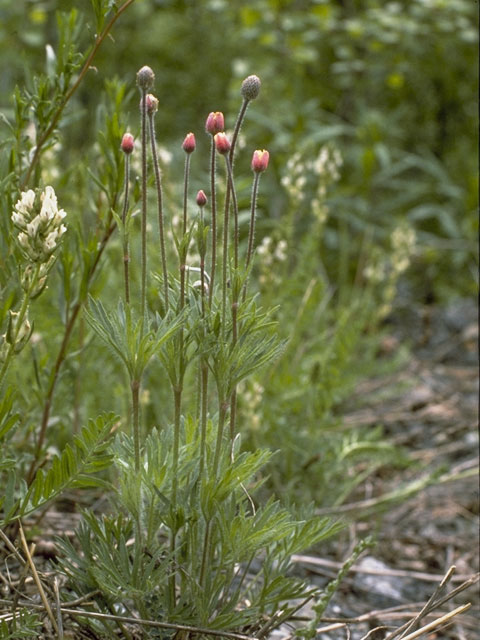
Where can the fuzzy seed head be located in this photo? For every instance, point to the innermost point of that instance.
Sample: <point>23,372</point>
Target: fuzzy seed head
<point>222,143</point>
<point>201,198</point>
<point>260,160</point>
<point>215,122</point>
<point>188,144</point>
<point>128,143</point>
<point>251,87</point>
<point>145,78</point>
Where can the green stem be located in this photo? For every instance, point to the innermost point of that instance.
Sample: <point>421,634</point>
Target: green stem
<point>21,316</point>
<point>161,225</point>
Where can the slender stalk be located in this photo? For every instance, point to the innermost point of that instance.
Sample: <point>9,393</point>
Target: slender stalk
<point>214,221</point>
<point>225,238</point>
<point>233,399</point>
<point>161,226</point>
<point>205,554</point>
<point>238,125</point>
<point>231,190</point>
<point>251,230</point>
<point>235,211</point>
<point>203,362</point>
<point>126,256</point>
<point>143,295</point>
<point>87,65</point>
<point>231,156</point>
<point>203,414</point>
<point>224,262</point>
<point>233,419</point>
<point>185,192</point>
<point>173,531</point>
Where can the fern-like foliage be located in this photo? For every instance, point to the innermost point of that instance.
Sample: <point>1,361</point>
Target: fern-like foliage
<point>21,624</point>
<point>77,466</point>
<point>126,338</point>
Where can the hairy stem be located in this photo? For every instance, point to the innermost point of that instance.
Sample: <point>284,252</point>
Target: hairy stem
<point>251,230</point>
<point>214,221</point>
<point>143,294</point>
<point>126,256</point>
<point>161,225</point>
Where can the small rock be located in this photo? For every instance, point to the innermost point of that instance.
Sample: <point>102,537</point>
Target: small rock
<point>382,589</point>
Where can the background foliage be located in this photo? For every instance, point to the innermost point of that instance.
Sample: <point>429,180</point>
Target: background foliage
<point>387,88</point>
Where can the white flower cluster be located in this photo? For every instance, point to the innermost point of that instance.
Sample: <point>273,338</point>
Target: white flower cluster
<point>270,254</point>
<point>39,221</point>
<point>385,269</point>
<point>324,170</point>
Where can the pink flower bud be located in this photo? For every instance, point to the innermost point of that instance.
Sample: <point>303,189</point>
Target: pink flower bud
<point>222,144</point>
<point>145,78</point>
<point>189,143</point>
<point>215,122</point>
<point>201,198</point>
<point>127,143</point>
<point>260,160</point>
<point>151,102</point>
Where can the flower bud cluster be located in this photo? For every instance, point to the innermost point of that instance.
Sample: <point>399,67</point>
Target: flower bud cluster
<point>39,221</point>
<point>16,336</point>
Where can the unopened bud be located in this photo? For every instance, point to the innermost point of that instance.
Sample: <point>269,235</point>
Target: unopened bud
<point>145,78</point>
<point>189,143</point>
<point>215,122</point>
<point>128,143</point>
<point>260,160</point>
<point>201,198</point>
<point>251,87</point>
<point>222,144</point>
<point>151,103</point>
